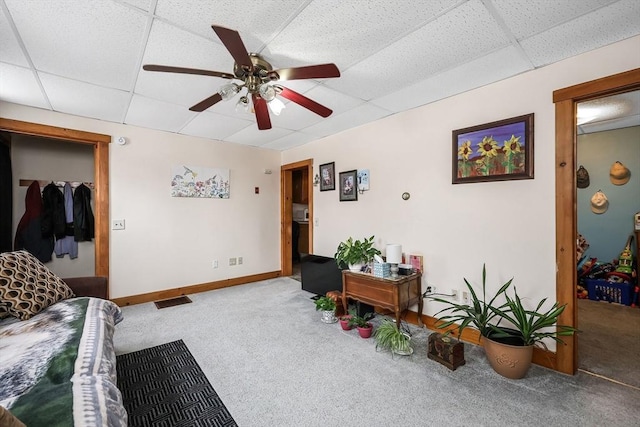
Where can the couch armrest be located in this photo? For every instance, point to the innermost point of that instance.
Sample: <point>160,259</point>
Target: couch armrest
<point>91,286</point>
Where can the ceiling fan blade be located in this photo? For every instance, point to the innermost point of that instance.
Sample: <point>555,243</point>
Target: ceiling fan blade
<point>262,112</point>
<point>232,41</point>
<point>182,70</point>
<point>307,103</point>
<point>206,103</point>
<point>321,71</point>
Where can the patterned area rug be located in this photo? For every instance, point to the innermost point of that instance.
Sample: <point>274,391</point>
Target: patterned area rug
<point>164,386</point>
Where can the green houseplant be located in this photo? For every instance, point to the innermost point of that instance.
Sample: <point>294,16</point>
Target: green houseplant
<point>328,308</point>
<point>509,349</point>
<point>389,337</point>
<point>477,314</point>
<point>355,253</point>
<point>362,324</point>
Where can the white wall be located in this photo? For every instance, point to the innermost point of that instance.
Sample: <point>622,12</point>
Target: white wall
<point>508,225</point>
<point>42,159</point>
<point>171,242</point>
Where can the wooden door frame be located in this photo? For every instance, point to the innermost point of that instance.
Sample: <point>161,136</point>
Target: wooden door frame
<point>566,101</point>
<point>286,211</point>
<point>100,144</point>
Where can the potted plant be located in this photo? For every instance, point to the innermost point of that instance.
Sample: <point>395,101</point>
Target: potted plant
<point>355,253</point>
<point>510,353</point>
<point>345,321</point>
<point>362,323</point>
<point>477,314</point>
<point>389,337</point>
<point>528,327</point>
<point>328,308</point>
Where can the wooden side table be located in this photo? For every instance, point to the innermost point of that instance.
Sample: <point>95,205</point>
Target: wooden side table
<point>396,295</point>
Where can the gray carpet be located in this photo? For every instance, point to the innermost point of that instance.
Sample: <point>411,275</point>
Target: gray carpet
<point>273,363</point>
<point>609,344</point>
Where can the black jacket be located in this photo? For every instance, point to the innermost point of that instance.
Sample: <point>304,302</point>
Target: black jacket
<point>83,224</point>
<point>53,216</point>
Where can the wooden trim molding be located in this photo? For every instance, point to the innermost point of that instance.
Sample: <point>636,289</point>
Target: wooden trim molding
<point>101,176</point>
<point>286,211</point>
<point>193,289</point>
<point>566,100</point>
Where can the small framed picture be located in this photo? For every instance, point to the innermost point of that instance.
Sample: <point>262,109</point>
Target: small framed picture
<point>328,176</point>
<point>348,186</point>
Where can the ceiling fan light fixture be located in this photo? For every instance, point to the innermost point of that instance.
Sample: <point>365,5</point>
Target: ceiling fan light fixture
<point>276,106</point>
<point>267,92</point>
<point>228,91</point>
<point>242,106</point>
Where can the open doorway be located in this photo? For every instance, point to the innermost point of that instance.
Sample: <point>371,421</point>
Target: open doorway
<point>566,101</point>
<point>100,145</point>
<point>608,197</point>
<point>296,215</point>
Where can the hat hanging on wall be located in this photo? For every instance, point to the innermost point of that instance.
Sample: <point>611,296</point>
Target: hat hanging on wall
<point>582,177</point>
<point>619,174</point>
<point>599,203</point>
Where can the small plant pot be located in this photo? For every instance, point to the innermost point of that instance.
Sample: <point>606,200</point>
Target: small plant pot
<point>329,316</point>
<point>344,323</point>
<point>365,332</point>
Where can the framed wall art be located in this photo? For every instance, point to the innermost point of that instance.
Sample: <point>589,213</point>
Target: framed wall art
<point>328,176</point>
<point>195,181</point>
<point>497,151</point>
<point>348,186</point>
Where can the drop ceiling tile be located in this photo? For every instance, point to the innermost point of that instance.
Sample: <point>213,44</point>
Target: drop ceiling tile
<point>265,17</point>
<point>337,101</point>
<point>345,32</point>
<point>612,124</point>
<point>292,140</point>
<point>19,85</point>
<point>154,114</point>
<point>172,46</point>
<point>456,80</point>
<point>251,135</point>
<point>10,50</point>
<point>525,19</point>
<point>214,126</point>
<point>599,28</point>
<point>97,42</point>
<point>357,116</point>
<point>144,5</point>
<point>84,99</point>
<point>433,48</point>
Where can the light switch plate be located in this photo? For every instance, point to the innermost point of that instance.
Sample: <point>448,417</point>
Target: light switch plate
<point>117,224</point>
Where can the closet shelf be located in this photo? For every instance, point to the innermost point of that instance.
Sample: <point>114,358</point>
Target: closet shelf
<point>43,183</point>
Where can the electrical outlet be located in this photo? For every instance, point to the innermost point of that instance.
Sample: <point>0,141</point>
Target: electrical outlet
<point>232,261</point>
<point>454,294</point>
<point>465,297</point>
<point>239,260</point>
<point>214,263</point>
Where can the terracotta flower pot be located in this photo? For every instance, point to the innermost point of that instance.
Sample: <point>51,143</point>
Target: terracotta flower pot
<point>365,332</point>
<point>511,361</point>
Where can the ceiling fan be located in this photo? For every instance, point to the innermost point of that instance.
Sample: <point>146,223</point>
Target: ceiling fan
<point>258,78</point>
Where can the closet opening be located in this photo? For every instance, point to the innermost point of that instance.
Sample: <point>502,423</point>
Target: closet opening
<point>100,147</point>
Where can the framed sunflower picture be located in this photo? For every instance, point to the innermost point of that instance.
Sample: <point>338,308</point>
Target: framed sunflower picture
<point>497,151</point>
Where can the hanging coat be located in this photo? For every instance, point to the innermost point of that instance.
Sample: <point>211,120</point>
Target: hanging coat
<point>67,245</point>
<point>83,225</point>
<point>29,231</point>
<point>53,216</point>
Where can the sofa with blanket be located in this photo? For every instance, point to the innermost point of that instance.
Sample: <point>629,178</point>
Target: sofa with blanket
<point>57,361</point>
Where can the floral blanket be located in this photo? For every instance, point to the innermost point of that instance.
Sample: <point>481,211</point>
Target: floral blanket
<point>59,367</point>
